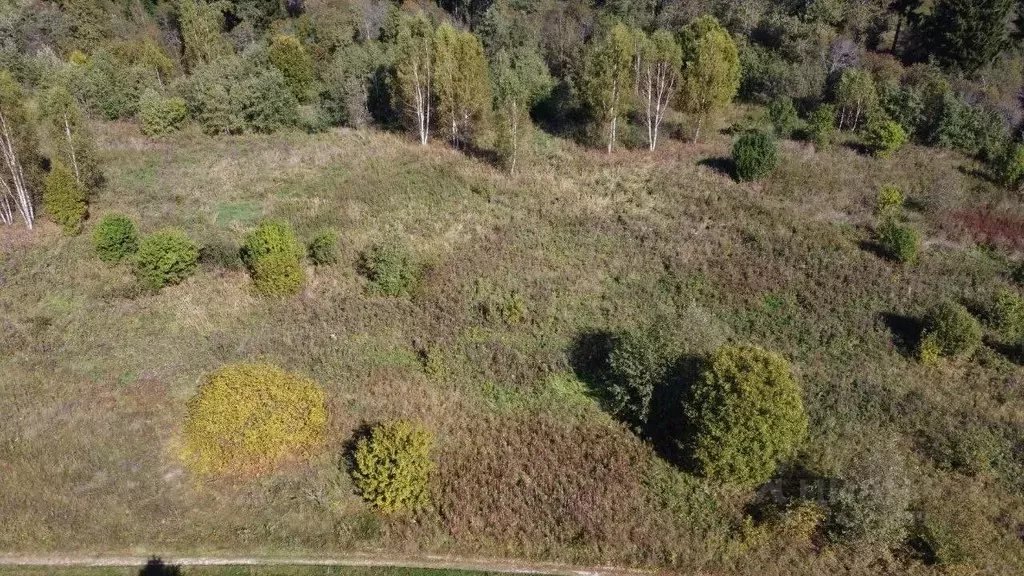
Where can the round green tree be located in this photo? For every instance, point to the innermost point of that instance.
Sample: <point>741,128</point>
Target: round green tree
<point>115,238</point>
<point>755,155</point>
<point>287,55</point>
<point>899,242</point>
<point>323,249</point>
<point>247,418</point>
<point>885,137</point>
<point>160,115</point>
<point>273,257</point>
<point>949,330</point>
<point>166,257</point>
<point>393,466</point>
<point>746,415</point>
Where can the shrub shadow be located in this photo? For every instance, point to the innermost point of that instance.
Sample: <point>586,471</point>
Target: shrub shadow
<point>157,567</point>
<point>857,147</point>
<point>347,456</point>
<point>1012,352</point>
<point>906,332</point>
<point>874,248</point>
<point>720,164</point>
<point>667,428</point>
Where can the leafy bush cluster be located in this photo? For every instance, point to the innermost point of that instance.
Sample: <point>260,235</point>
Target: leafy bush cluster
<point>273,257</point>
<point>392,466</point>
<point>871,504</point>
<point>899,241</point>
<point>115,238</point>
<point>783,117</point>
<point>236,94</point>
<point>323,249</point>
<point>949,331</point>
<point>248,418</point>
<point>390,270</point>
<point>166,257</point>
<point>746,413</point>
<point>889,202</point>
<point>885,137</point>
<point>1007,315</point>
<point>755,155</point>
<point>639,362</point>
<point>821,126</point>
<point>161,115</point>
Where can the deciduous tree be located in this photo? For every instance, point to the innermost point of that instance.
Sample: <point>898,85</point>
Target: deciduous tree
<point>200,24</point>
<point>855,96</point>
<point>19,155</point>
<point>607,77</point>
<point>72,140</point>
<point>415,71</point>
<point>660,61</point>
<point>711,69</point>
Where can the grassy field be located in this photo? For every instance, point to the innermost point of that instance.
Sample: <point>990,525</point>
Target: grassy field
<point>94,373</point>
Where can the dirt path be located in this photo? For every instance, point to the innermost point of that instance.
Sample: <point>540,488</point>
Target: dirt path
<point>442,562</point>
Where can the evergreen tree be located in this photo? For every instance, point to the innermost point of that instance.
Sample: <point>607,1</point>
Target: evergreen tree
<point>969,34</point>
<point>607,78</point>
<point>72,141</point>
<point>711,69</point>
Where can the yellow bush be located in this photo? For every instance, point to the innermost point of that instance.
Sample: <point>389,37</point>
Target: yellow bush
<point>247,418</point>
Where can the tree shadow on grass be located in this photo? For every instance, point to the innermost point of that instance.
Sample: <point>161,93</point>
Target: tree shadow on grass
<point>906,332</point>
<point>720,164</point>
<point>874,248</point>
<point>157,567</point>
<point>858,147</point>
<point>666,427</point>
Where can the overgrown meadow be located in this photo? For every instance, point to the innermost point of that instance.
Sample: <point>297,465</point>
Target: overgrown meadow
<point>496,350</point>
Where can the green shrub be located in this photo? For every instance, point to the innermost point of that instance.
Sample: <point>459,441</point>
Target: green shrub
<point>115,238</point>
<point>821,126</point>
<point>160,115</point>
<point>166,257</point>
<point>1008,167</point>
<point>899,242</point>
<point>1007,315</point>
<point>889,202</point>
<point>638,364</point>
<point>885,137</point>
<point>274,259</point>
<point>755,155</point>
<point>233,95</point>
<point>951,330</point>
<point>783,117</point>
<point>938,543</point>
<point>390,269</point>
<point>247,418</point>
<point>323,249</point>
<point>392,466</point>
<point>746,415</point>
<point>288,56</point>
<point>871,503</point>
<point>65,199</point>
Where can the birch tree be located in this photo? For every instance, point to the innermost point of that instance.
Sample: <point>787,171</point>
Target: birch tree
<point>446,69</point>
<point>461,82</point>
<point>19,156</point>
<point>658,75</point>
<point>415,72</point>
<point>72,142</point>
<point>855,96</point>
<point>711,69</point>
<point>607,79</point>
